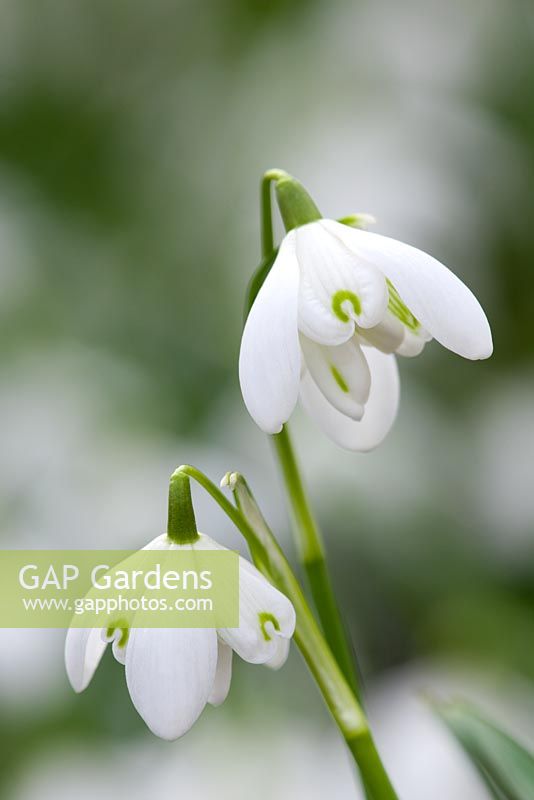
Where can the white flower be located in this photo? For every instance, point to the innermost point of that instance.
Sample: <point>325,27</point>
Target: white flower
<point>336,307</point>
<point>172,673</point>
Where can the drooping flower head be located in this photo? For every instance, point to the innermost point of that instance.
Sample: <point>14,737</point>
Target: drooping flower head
<point>172,673</point>
<point>335,309</point>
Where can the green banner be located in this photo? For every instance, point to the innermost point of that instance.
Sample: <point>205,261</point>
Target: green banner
<point>119,588</point>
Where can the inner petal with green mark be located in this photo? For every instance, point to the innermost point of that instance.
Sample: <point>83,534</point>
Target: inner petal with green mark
<point>265,618</point>
<point>346,305</point>
<point>339,379</point>
<point>399,331</point>
<point>336,288</point>
<point>341,373</point>
<point>122,626</point>
<point>400,310</point>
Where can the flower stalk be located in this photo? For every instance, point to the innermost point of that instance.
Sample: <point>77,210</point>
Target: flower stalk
<point>307,534</point>
<point>313,560</point>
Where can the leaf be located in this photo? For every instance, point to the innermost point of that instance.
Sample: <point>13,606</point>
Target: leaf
<point>506,767</point>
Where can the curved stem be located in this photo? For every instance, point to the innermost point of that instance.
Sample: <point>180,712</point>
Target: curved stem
<point>257,549</point>
<point>266,215</point>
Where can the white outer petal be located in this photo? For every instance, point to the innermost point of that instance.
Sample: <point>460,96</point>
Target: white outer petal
<point>223,675</point>
<point>170,674</point>
<point>380,410</point>
<point>326,267</point>
<point>269,360</point>
<point>256,596</point>
<point>441,302</point>
<point>349,362</point>
<point>161,542</point>
<point>84,648</point>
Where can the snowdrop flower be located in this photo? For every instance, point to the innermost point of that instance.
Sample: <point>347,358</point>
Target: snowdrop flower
<point>171,673</point>
<point>336,308</point>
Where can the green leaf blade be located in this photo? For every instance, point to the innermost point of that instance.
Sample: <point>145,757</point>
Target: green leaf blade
<point>506,767</point>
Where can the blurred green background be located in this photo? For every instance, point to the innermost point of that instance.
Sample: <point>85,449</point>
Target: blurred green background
<point>132,140</point>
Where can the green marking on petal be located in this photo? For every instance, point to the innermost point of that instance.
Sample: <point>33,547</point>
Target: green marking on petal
<point>400,310</point>
<point>341,297</point>
<point>339,379</point>
<point>265,617</point>
<point>122,626</point>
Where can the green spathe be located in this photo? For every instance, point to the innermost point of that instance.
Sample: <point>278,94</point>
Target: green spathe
<point>181,525</point>
<point>295,204</point>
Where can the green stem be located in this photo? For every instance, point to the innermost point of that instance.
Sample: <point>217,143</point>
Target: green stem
<point>268,177</point>
<point>336,692</point>
<point>312,556</point>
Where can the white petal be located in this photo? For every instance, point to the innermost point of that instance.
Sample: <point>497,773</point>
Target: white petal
<point>161,542</point>
<point>380,410</point>
<point>280,657</point>
<point>412,345</point>
<point>170,674</point>
<point>441,302</point>
<point>264,612</point>
<point>387,336</point>
<point>119,649</point>
<point>246,639</point>
<point>84,648</point>
<point>223,676</point>
<point>392,336</point>
<point>269,361</point>
<point>119,637</point>
<point>336,289</point>
<point>341,373</point>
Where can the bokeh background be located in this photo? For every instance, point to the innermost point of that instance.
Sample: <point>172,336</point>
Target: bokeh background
<point>132,139</point>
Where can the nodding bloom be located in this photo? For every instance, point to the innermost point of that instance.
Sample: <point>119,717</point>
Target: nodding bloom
<point>334,311</point>
<point>171,673</point>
